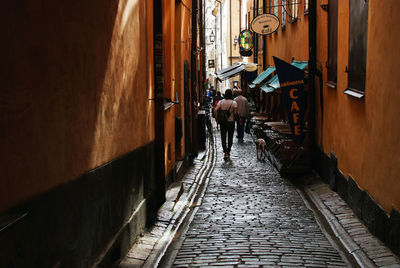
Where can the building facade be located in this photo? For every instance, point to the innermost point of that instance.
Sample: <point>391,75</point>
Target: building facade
<point>96,108</point>
<point>353,68</point>
<point>357,100</point>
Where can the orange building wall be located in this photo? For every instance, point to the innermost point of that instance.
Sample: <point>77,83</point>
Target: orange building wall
<point>364,133</point>
<point>291,41</point>
<point>75,92</point>
<point>182,54</point>
<point>169,82</point>
<point>322,58</point>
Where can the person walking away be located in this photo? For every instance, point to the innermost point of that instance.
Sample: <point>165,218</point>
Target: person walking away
<point>216,99</point>
<point>227,126</point>
<point>243,114</point>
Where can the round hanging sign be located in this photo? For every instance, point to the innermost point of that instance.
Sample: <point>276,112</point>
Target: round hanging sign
<point>265,24</point>
<point>246,40</point>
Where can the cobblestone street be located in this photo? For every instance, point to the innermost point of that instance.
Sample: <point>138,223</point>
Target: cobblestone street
<point>251,216</point>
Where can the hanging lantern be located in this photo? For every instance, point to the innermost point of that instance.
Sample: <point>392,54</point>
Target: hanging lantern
<point>246,42</point>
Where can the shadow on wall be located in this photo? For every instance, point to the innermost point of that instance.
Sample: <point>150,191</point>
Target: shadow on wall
<point>67,93</point>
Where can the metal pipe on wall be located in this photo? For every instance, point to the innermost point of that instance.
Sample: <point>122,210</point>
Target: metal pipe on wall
<point>230,30</point>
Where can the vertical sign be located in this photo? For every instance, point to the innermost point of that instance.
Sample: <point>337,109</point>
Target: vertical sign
<point>291,81</point>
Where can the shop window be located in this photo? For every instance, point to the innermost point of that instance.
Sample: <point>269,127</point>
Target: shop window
<point>332,43</point>
<point>276,6</point>
<point>358,28</point>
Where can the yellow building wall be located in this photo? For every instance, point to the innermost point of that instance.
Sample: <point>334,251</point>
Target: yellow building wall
<point>76,91</point>
<point>364,133</point>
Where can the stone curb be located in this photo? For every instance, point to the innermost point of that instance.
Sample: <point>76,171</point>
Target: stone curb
<point>150,248</point>
<point>362,259</point>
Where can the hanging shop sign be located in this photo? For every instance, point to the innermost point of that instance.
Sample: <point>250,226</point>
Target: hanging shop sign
<point>246,44</point>
<point>265,24</point>
<point>291,81</point>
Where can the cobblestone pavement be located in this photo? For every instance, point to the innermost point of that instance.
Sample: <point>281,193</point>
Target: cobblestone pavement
<point>367,249</point>
<point>250,217</point>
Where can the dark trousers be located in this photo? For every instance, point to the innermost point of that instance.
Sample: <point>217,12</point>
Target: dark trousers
<point>240,127</point>
<point>227,127</point>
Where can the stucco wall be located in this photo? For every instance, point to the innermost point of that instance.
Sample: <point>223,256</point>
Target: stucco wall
<point>75,94</point>
<point>182,54</point>
<point>169,82</point>
<point>364,133</point>
<point>292,41</point>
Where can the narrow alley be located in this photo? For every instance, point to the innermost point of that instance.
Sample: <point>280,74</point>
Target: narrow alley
<point>108,157</point>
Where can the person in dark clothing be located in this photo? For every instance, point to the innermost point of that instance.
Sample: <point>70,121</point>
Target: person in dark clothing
<point>227,127</point>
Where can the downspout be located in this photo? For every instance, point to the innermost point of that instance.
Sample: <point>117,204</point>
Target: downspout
<point>220,29</point>
<point>202,52</point>
<point>230,30</point>
<point>240,16</point>
<point>193,80</point>
<point>264,37</point>
<point>312,69</point>
<point>159,149</point>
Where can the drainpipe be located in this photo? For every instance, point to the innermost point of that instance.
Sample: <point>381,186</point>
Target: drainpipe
<point>193,80</point>
<point>264,38</point>
<point>230,29</point>
<point>312,67</point>
<point>220,28</point>
<point>159,151</point>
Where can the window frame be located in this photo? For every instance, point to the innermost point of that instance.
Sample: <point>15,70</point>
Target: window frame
<point>332,44</point>
<point>283,14</point>
<point>358,38</point>
<point>294,10</point>
<point>306,7</point>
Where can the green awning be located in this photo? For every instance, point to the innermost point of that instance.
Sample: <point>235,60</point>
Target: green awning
<point>273,83</point>
<point>300,64</point>
<point>262,76</point>
<point>268,89</point>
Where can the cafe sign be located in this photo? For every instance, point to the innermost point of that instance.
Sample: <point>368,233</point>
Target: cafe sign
<point>265,24</point>
<point>291,81</point>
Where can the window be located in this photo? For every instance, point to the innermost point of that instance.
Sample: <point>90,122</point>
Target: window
<point>332,43</point>
<point>294,9</point>
<point>276,6</point>
<point>283,12</point>
<point>306,6</point>
<point>358,24</point>
<point>270,5</point>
